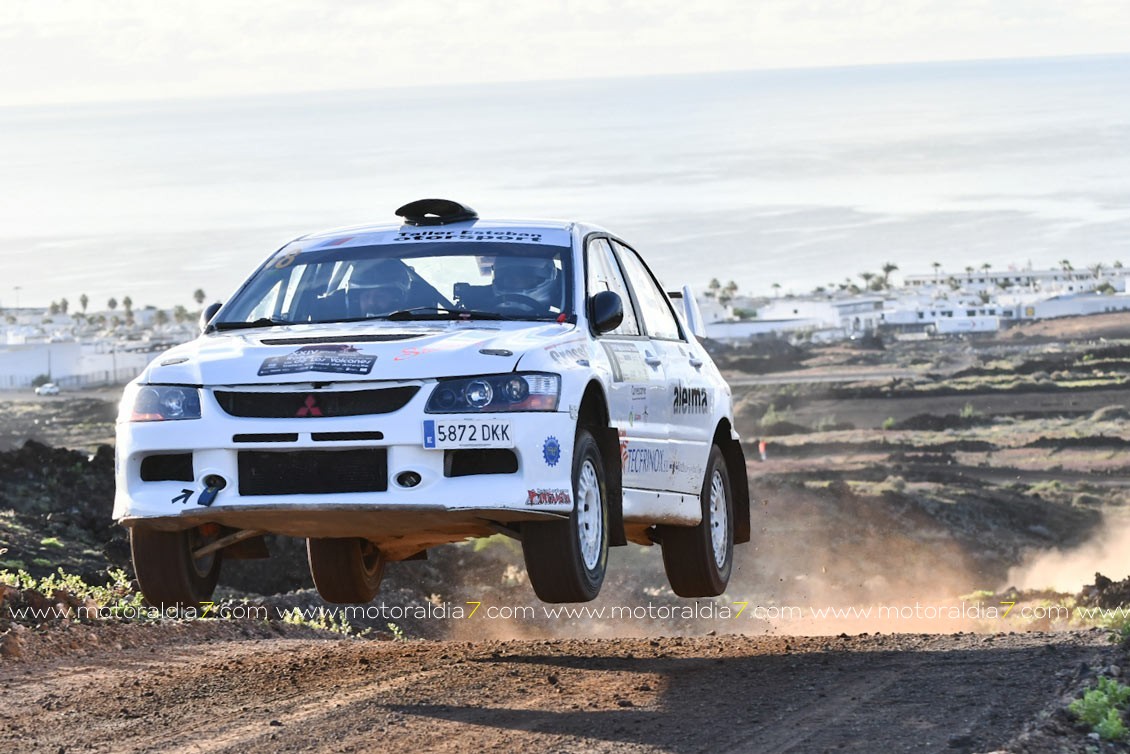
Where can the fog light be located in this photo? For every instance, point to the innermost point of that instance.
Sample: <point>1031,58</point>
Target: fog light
<point>408,479</point>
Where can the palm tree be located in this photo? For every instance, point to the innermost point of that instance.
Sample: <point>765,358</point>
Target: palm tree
<point>180,314</point>
<point>112,304</point>
<point>198,296</point>
<point>937,270</point>
<point>1065,265</point>
<point>969,272</point>
<point>127,302</point>
<point>888,268</point>
<point>867,278</point>
<point>776,289</point>
<point>64,305</point>
<point>1117,265</point>
<point>83,300</point>
<point>161,317</point>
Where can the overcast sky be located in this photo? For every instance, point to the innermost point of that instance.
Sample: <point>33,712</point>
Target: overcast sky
<point>57,51</point>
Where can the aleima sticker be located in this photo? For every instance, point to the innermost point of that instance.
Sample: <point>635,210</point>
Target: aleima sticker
<point>551,451</point>
<point>337,359</point>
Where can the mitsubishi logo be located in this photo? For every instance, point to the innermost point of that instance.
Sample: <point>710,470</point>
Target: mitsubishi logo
<point>311,408</point>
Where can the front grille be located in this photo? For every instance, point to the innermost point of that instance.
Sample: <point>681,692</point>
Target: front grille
<point>479,461</point>
<point>172,467</point>
<point>270,437</point>
<point>315,403</point>
<point>312,472</point>
<point>346,436</point>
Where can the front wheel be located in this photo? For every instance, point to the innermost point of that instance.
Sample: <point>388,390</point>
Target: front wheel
<point>167,570</point>
<point>698,559</point>
<point>346,571</point>
<point>566,560</point>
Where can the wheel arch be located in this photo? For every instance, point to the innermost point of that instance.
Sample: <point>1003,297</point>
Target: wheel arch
<point>593,415</point>
<point>726,440</point>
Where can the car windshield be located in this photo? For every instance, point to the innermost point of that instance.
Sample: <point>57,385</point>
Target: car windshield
<point>442,280</point>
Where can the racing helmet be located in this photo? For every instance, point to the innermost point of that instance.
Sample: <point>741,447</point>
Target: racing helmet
<point>532,277</point>
<point>378,288</point>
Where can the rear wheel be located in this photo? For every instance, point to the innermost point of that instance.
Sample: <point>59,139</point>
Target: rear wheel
<point>566,560</point>
<point>698,559</point>
<point>167,571</point>
<point>345,571</point>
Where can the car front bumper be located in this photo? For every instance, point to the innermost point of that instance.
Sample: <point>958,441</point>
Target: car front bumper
<point>307,469</point>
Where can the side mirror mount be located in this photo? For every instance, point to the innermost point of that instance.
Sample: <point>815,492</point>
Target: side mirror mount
<point>606,311</point>
<point>208,313</point>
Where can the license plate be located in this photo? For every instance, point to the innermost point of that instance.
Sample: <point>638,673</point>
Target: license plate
<point>483,433</point>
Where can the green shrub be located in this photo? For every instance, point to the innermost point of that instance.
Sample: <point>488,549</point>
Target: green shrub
<point>1101,707</point>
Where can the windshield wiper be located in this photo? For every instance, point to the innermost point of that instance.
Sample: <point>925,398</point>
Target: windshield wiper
<point>433,312</point>
<point>261,322</point>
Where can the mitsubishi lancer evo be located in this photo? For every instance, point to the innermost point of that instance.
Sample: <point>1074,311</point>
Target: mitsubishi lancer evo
<point>385,389</point>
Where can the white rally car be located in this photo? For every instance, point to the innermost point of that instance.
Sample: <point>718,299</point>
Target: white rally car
<point>381,390</point>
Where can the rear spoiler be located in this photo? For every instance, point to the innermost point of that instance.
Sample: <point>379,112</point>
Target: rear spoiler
<point>686,306</point>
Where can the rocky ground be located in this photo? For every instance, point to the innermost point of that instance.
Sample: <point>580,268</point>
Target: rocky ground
<point>942,481</point>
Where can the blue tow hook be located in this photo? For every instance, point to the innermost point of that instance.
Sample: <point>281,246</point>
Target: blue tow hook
<point>212,486</point>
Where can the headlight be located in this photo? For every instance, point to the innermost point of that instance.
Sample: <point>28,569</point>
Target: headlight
<point>529,391</point>
<point>154,403</point>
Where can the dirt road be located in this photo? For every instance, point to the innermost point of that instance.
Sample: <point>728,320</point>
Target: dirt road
<point>891,693</point>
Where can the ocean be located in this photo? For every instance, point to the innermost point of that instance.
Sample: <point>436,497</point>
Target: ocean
<point>800,178</point>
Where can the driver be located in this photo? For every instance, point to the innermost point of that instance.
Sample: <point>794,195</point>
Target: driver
<point>530,278</point>
<point>378,288</point>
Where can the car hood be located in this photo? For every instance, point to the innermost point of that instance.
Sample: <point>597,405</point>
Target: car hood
<point>351,352</point>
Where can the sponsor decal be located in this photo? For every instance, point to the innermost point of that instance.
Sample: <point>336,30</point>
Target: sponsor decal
<point>566,356</point>
<point>548,236</point>
<point>551,451</point>
<point>691,400</point>
<point>452,343</point>
<point>639,408</point>
<point>645,461</point>
<point>627,363</point>
<point>337,359</point>
<point>548,497</point>
<point>623,449</point>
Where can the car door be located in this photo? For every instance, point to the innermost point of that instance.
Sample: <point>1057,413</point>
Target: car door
<point>689,394</point>
<point>637,382</point>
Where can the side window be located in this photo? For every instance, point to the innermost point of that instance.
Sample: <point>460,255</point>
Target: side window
<point>657,315</point>
<point>604,275</point>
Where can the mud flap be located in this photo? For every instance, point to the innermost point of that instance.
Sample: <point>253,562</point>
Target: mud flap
<point>609,440</point>
<point>739,485</point>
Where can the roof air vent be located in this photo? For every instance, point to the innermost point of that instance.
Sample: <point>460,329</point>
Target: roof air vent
<point>435,212</point>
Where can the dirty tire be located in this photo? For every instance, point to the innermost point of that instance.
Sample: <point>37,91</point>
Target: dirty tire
<point>345,571</point>
<point>168,574</point>
<point>566,560</point>
<point>698,559</point>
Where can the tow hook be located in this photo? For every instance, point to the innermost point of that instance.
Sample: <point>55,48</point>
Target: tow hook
<point>213,483</point>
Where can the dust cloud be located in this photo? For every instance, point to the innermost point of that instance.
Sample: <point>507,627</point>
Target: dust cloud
<point>1069,570</point>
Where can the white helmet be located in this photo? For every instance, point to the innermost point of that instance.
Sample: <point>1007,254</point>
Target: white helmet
<point>378,288</point>
<point>532,277</point>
